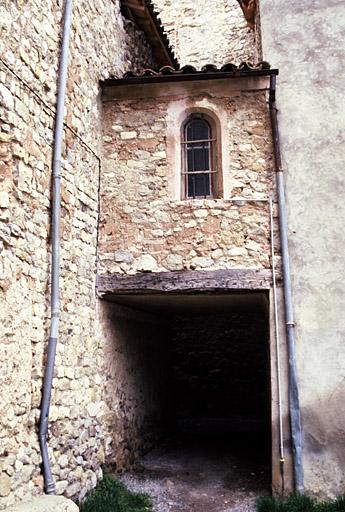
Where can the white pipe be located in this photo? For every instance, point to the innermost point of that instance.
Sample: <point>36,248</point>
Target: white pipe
<point>294,404</point>
<point>277,340</point>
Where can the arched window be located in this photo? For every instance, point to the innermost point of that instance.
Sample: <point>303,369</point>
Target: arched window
<point>198,171</point>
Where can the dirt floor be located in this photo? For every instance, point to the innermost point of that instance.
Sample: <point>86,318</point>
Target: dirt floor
<point>202,476</point>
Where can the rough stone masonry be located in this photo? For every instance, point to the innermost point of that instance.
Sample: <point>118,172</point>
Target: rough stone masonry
<point>147,226</point>
<point>93,414</point>
<point>29,49</point>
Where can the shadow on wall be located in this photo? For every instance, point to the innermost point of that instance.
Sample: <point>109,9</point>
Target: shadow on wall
<point>323,444</point>
<point>135,358</point>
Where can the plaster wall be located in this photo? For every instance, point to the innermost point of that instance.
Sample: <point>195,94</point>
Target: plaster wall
<point>305,42</point>
<point>29,49</point>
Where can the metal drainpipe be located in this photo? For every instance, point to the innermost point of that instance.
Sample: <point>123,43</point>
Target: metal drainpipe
<point>294,406</point>
<point>49,484</point>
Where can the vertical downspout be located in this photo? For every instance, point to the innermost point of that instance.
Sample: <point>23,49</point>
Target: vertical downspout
<point>294,406</point>
<point>49,484</point>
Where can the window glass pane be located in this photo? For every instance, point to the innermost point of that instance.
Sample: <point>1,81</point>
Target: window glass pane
<point>197,129</point>
<point>201,158</point>
<point>198,157</point>
<point>190,158</point>
<point>199,185</point>
<point>203,185</point>
<point>191,186</point>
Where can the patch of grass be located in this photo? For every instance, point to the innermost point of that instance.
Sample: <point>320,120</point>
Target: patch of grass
<point>112,496</point>
<point>295,503</point>
<point>334,506</point>
<point>299,503</point>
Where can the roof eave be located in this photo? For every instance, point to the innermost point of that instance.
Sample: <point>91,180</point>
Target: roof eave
<point>111,82</point>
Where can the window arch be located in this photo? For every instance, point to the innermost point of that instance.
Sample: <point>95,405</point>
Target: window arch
<point>199,173</point>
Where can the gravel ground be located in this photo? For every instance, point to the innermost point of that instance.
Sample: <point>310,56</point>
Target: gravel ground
<point>202,477</point>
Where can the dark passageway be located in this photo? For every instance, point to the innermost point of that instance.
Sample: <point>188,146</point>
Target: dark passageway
<point>216,443</point>
<point>219,372</point>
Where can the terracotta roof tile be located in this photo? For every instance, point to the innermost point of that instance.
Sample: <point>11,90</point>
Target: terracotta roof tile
<point>188,73</point>
<point>208,68</point>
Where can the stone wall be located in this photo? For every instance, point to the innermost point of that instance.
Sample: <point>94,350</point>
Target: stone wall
<point>145,225</point>
<point>102,44</point>
<point>204,32</point>
<point>134,380</point>
<point>220,367</point>
<point>29,49</point>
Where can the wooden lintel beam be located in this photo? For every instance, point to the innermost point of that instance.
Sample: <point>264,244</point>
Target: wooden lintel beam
<point>184,281</point>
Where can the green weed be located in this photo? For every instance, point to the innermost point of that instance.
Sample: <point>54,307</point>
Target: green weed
<point>112,496</point>
<point>299,503</point>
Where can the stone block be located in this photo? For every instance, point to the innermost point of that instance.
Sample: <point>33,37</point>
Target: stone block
<point>237,251</point>
<point>200,214</point>
<point>5,485</point>
<point>146,263</point>
<point>45,504</point>
<point>128,135</point>
<point>123,256</point>
<point>72,490</point>
<point>202,262</point>
<point>6,98</point>
<point>4,200</point>
<point>174,262</point>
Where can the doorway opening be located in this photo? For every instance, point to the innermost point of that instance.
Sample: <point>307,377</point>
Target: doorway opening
<point>207,396</point>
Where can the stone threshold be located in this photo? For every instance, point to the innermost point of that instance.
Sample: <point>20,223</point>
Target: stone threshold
<point>45,504</point>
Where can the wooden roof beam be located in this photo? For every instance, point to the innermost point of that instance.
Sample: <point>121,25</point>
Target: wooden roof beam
<point>142,12</point>
<point>249,10</point>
